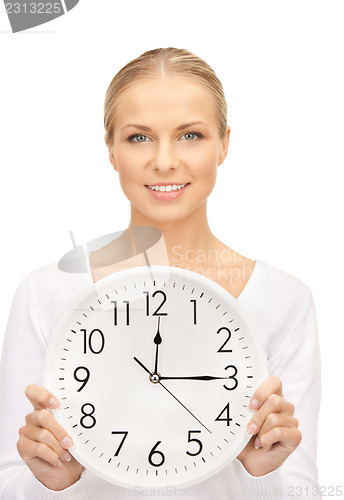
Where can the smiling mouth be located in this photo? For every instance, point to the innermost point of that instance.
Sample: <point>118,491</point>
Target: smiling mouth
<point>167,187</point>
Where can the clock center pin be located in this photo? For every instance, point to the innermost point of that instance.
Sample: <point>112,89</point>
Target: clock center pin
<point>154,377</point>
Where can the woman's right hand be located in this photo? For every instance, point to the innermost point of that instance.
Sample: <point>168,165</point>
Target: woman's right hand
<point>43,443</point>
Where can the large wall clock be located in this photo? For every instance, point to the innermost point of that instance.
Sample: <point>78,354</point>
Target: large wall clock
<point>154,370</point>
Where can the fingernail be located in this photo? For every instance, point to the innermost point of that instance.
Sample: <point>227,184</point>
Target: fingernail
<point>252,428</point>
<point>257,443</point>
<point>66,456</point>
<point>253,404</point>
<point>67,442</point>
<point>59,463</point>
<point>53,403</point>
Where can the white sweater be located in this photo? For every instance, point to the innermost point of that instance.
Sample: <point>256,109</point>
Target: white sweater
<point>278,307</point>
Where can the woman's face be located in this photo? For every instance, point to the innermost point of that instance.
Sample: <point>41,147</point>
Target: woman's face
<point>166,132</point>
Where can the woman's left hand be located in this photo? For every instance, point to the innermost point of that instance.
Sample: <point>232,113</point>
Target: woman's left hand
<point>274,430</point>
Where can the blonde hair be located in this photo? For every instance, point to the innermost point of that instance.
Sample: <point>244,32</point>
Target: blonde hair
<point>170,61</point>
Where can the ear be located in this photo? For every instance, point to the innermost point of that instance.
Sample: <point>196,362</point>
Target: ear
<point>224,147</point>
<point>112,159</point>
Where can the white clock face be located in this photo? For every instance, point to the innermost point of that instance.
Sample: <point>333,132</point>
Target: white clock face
<point>154,371</point>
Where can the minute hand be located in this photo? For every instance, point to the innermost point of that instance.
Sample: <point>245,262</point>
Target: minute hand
<point>200,377</point>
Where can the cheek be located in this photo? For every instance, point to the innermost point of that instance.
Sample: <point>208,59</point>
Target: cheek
<point>205,165</point>
<point>127,164</point>
<point>126,175</point>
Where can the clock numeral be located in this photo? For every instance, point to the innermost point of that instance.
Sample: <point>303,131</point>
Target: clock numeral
<point>227,418</point>
<point>147,302</point>
<point>86,377</point>
<point>157,462</point>
<point>232,377</point>
<point>156,313</point>
<point>196,441</point>
<point>194,311</point>
<point>114,302</point>
<point>88,416</point>
<point>92,341</point>
<point>121,443</point>
<point>229,336</point>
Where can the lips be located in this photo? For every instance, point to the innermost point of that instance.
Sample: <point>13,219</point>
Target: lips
<point>167,183</point>
<point>166,195</point>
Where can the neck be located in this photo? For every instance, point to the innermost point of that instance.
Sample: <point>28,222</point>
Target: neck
<point>182,238</point>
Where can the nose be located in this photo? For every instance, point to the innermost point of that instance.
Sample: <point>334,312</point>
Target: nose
<point>164,157</point>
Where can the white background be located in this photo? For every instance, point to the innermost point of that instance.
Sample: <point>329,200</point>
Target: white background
<point>279,195</point>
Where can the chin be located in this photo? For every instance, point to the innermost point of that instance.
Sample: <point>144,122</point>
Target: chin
<point>164,218</point>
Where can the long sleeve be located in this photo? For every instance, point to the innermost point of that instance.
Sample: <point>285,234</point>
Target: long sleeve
<point>22,355</point>
<point>22,364</point>
<point>297,364</point>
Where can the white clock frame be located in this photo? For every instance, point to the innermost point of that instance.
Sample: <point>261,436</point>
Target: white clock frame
<point>67,341</point>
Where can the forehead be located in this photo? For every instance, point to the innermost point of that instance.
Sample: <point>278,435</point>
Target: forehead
<point>169,98</point>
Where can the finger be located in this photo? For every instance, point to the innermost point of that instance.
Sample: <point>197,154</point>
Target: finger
<point>278,420</point>
<point>40,397</point>
<point>271,385</point>
<point>45,419</point>
<point>45,437</point>
<point>290,438</point>
<point>275,420</point>
<point>273,404</point>
<point>29,450</point>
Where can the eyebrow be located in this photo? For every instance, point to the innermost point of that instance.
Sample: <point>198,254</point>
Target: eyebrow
<point>148,129</point>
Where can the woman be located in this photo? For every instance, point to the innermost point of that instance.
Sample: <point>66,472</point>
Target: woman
<point>167,133</point>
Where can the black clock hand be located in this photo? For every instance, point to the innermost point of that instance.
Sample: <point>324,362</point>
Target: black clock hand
<point>157,380</point>
<point>201,377</point>
<point>143,366</point>
<point>184,407</point>
<point>157,342</point>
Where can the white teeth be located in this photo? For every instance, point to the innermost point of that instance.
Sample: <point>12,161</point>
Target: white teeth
<point>170,187</point>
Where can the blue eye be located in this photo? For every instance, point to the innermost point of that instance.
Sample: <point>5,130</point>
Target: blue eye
<point>190,136</point>
<point>138,137</point>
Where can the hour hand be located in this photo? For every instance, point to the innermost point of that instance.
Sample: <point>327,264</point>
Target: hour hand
<point>157,342</point>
